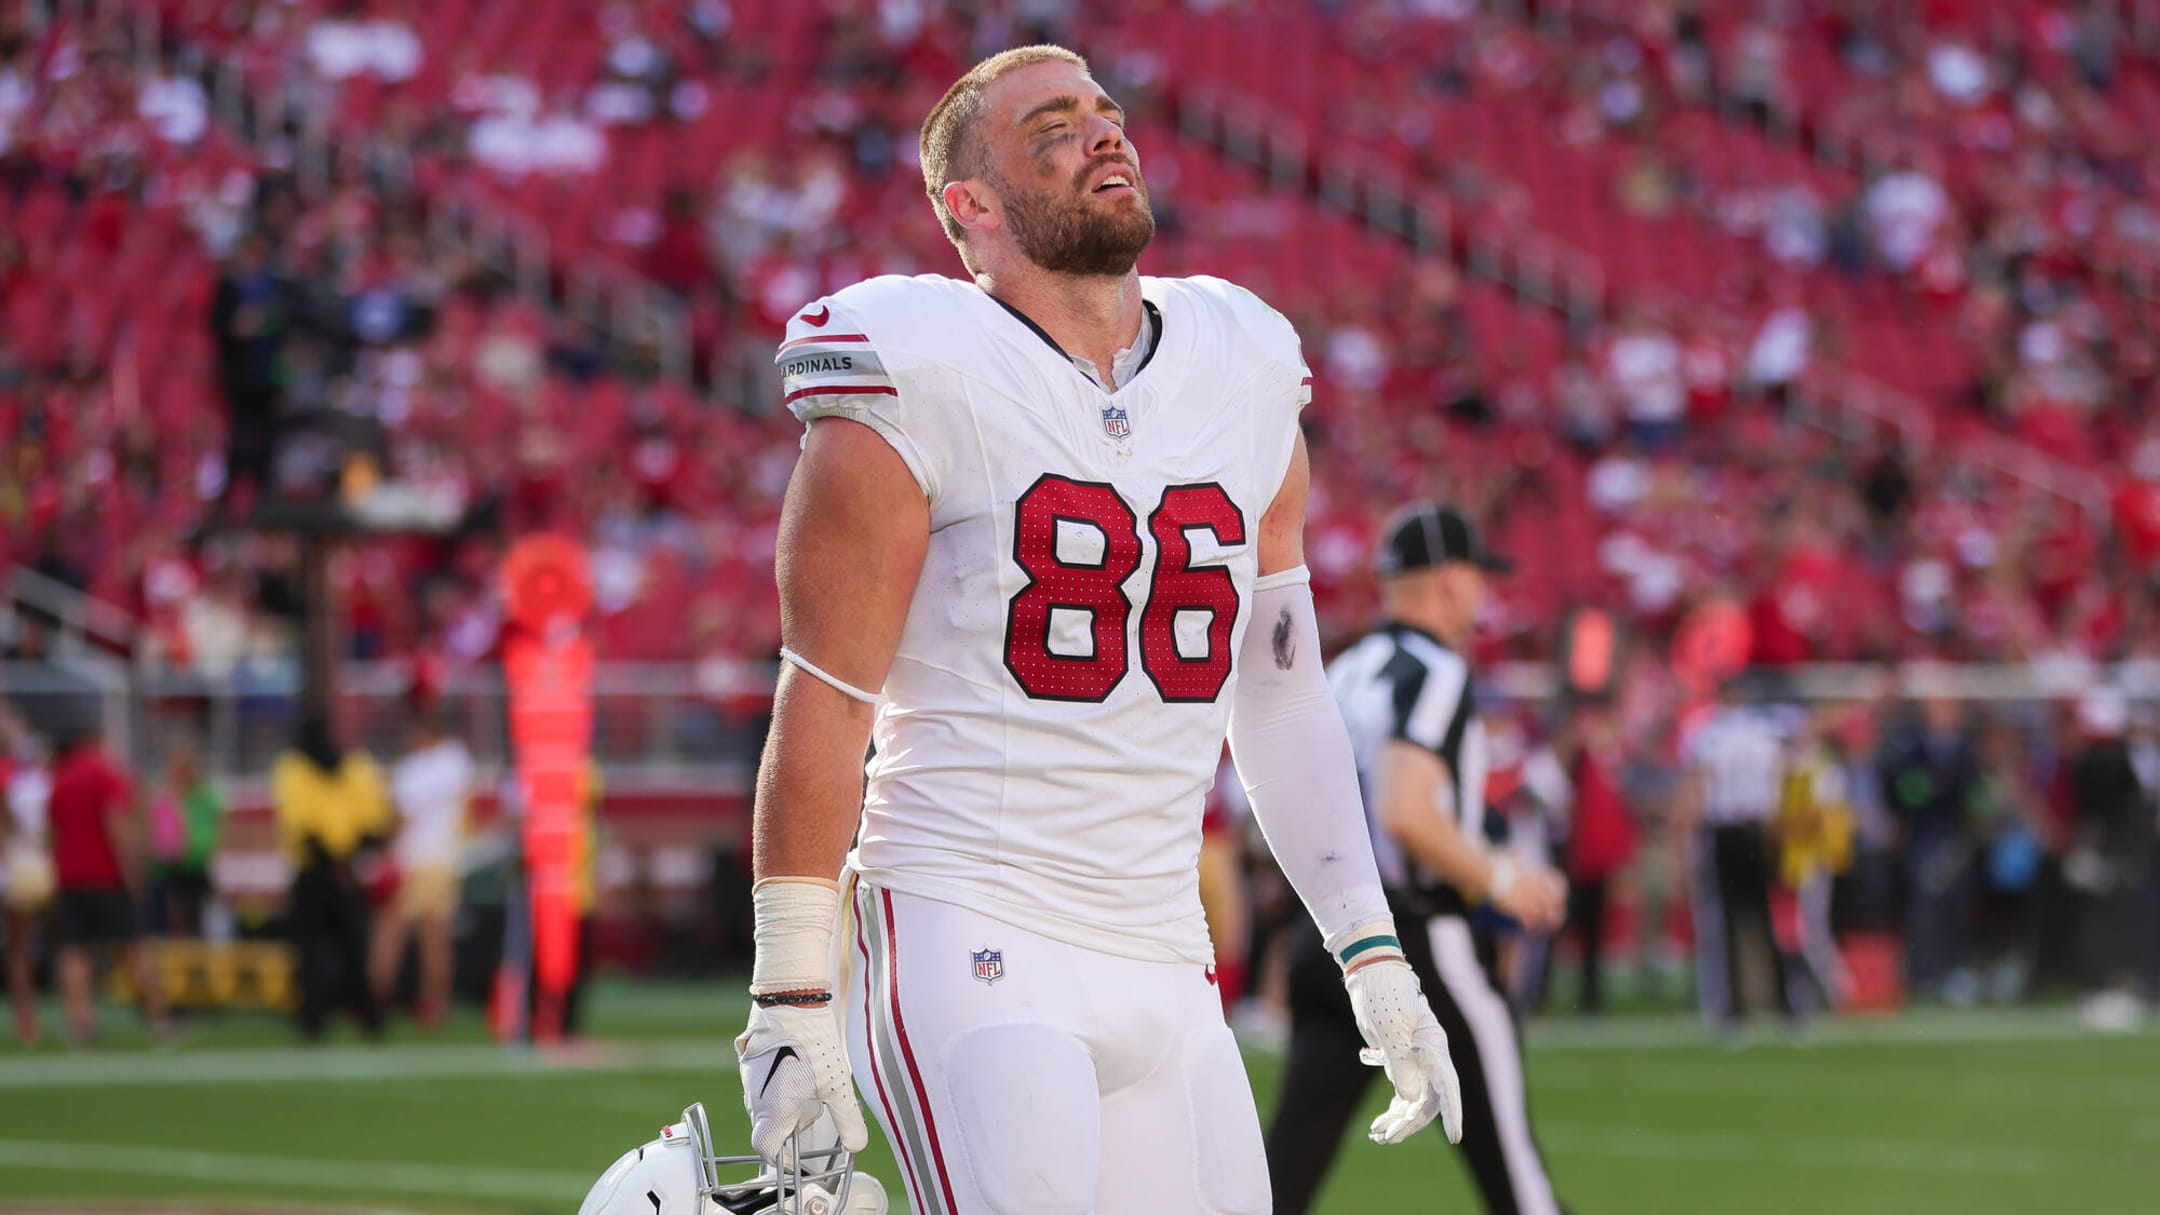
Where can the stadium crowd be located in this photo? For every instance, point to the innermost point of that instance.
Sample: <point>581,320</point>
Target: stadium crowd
<point>1652,449</point>
<point>193,285</point>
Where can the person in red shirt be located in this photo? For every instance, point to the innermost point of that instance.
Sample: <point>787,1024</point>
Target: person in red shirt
<point>96,846</point>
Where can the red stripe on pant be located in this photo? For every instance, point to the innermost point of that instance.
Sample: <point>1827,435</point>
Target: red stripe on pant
<point>877,1077</point>
<point>907,1052</point>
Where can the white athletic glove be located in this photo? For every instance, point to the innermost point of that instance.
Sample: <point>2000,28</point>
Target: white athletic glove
<point>794,1061</point>
<point>1402,1037</point>
<point>794,1066</point>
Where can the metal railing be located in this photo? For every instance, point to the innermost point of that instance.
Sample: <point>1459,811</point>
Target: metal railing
<point>659,725</point>
<point>79,621</point>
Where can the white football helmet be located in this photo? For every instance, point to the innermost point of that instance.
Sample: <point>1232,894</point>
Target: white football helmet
<point>679,1174</point>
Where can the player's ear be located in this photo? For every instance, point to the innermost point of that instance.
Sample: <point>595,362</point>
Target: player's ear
<point>973,204</point>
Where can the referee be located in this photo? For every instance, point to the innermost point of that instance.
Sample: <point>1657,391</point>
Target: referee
<point>1735,774</point>
<point>1406,695</point>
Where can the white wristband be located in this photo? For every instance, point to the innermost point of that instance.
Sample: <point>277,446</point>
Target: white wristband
<point>1504,873</point>
<point>796,920</point>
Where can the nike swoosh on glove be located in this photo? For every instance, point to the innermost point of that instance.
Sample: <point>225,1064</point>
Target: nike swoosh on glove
<point>1404,1039</point>
<point>793,1066</point>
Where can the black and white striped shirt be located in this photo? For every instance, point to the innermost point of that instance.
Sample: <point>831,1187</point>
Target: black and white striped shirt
<point>1402,683</point>
<point>1740,755</point>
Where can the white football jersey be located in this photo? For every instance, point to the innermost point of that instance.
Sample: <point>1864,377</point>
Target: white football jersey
<point>1052,720</point>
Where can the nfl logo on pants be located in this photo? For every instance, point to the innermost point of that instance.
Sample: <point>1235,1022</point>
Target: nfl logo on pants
<point>989,964</point>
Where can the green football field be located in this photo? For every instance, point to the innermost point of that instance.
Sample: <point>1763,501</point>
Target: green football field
<point>1970,1112</point>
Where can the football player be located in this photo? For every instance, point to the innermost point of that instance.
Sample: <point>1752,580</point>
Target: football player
<point>1044,549</point>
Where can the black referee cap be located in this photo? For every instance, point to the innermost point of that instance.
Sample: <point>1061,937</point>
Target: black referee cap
<point>1425,534</point>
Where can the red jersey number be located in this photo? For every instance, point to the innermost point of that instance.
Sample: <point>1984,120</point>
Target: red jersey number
<point>1178,590</point>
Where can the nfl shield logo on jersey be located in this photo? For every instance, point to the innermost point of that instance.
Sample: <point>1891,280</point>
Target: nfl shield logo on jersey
<point>1115,423</point>
<point>989,964</point>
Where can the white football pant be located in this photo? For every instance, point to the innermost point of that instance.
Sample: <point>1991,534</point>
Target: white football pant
<point>1017,1075</point>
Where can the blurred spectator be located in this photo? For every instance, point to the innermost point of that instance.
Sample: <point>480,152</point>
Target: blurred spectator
<point>638,83</point>
<point>1647,187</point>
<point>175,107</point>
<point>1929,776</point>
<point>1643,367</point>
<point>1886,489</point>
<point>381,47</point>
<point>1755,71</point>
<point>332,814</point>
<point>1794,234</point>
<point>187,821</point>
<point>2135,512</point>
<point>676,259</point>
<point>1586,415</point>
<point>1779,353</point>
<point>250,319</point>
<point>1600,842</point>
<point>1735,769</point>
<point>2106,864</point>
<point>1904,209</point>
<point>432,789</point>
<point>2009,820</point>
<point>1813,830</point>
<point>99,857</point>
<point>518,141</point>
<point>27,877</point>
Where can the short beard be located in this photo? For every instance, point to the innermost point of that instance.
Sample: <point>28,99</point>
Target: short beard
<point>1065,235</point>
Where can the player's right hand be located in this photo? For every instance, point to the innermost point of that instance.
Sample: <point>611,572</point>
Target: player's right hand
<point>794,1065</point>
<point>1404,1039</point>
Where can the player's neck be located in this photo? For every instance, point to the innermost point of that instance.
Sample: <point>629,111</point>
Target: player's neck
<point>1090,318</point>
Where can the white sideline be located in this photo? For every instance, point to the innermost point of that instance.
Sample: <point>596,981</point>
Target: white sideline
<point>363,1176</point>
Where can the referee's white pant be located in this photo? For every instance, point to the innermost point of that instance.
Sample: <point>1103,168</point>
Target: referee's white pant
<point>1324,1083</point>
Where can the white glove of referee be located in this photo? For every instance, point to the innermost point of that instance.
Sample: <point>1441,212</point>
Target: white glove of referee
<point>1403,1038</point>
<point>794,1062</point>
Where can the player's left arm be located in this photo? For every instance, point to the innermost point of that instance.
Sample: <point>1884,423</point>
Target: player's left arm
<point>1292,752</point>
<point>1293,755</point>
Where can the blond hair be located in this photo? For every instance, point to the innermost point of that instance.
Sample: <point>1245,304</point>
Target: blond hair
<point>951,148</point>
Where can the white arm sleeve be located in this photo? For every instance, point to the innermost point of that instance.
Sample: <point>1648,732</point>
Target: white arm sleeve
<point>1293,756</point>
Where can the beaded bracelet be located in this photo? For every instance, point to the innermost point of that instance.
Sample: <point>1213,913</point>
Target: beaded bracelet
<point>811,998</point>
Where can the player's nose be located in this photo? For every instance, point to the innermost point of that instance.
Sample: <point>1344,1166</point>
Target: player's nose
<point>1106,137</point>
